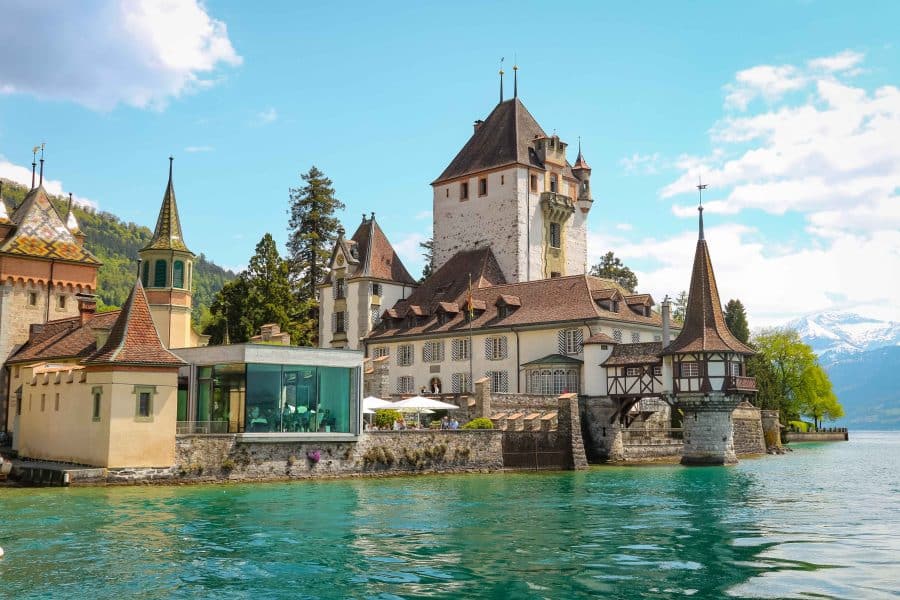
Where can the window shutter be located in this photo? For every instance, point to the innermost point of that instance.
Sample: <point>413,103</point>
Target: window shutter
<point>561,341</point>
<point>503,347</point>
<point>488,345</point>
<point>333,322</point>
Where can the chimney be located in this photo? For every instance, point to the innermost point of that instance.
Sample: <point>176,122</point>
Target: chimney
<point>478,124</point>
<point>666,316</point>
<point>87,306</point>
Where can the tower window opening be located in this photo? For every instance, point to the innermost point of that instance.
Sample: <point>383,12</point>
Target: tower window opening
<point>555,235</point>
<point>178,274</point>
<point>32,298</point>
<point>61,301</point>
<point>533,183</point>
<point>482,186</point>
<point>159,274</point>
<point>464,190</point>
<point>554,183</point>
<point>145,274</point>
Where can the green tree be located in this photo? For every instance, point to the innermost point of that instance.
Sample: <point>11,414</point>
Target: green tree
<point>231,316</point>
<point>611,267</point>
<point>780,368</point>
<point>270,294</point>
<point>736,320</point>
<point>817,399</point>
<point>312,229</point>
<point>680,311</point>
<point>428,254</point>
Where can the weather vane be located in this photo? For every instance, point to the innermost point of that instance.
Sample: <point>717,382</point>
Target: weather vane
<point>700,187</point>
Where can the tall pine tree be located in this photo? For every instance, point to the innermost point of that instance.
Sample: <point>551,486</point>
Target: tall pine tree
<point>428,254</point>
<point>312,230</point>
<point>611,267</point>
<point>736,320</point>
<point>681,302</point>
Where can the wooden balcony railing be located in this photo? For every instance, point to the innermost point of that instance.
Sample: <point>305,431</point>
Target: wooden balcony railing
<point>740,384</point>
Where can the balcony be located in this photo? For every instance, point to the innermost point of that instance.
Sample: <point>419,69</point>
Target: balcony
<point>557,207</point>
<point>740,385</point>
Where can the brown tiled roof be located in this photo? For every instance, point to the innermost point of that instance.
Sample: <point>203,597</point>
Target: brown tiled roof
<point>506,137</point>
<point>558,299</point>
<point>606,293</point>
<point>580,163</point>
<point>509,300</point>
<point>644,353</point>
<point>704,328</point>
<point>644,299</point>
<point>167,235</point>
<point>64,339</point>
<point>40,232</point>
<point>133,339</point>
<point>448,307</point>
<point>375,257</point>
<point>600,338</point>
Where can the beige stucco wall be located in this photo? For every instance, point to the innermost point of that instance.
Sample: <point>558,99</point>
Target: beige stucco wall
<point>118,438</point>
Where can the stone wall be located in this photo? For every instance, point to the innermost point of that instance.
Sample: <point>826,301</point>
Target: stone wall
<point>602,439</point>
<point>670,450</point>
<point>748,430</point>
<point>771,424</point>
<point>817,436</point>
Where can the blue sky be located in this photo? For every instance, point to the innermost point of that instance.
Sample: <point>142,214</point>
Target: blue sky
<point>789,110</point>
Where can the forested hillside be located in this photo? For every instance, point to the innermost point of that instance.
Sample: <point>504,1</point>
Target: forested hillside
<point>116,244</point>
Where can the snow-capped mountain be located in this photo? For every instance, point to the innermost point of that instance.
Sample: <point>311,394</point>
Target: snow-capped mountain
<point>834,334</point>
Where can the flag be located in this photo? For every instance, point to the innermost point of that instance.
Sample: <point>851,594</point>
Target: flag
<point>470,302</point>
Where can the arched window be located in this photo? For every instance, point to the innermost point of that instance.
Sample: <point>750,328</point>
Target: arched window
<point>159,274</point>
<point>178,274</point>
<point>145,274</point>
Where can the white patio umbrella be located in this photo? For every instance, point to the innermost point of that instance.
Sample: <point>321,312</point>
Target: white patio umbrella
<point>368,411</point>
<point>373,403</point>
<point>422,402</point>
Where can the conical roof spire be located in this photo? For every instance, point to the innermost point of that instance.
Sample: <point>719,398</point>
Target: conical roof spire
<point>580,163</point>
<point>167,235</point>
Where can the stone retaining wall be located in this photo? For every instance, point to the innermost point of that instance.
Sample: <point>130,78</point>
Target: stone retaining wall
<point>650,452</point>
<point>817,436</point>
<point>748,430</point>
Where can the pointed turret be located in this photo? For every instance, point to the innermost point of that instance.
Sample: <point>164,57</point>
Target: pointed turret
<point>167,235</point>
<point>704,323</point>
<point>582,171</point>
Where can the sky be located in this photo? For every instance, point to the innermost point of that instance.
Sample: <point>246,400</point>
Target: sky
<point>790,112</point>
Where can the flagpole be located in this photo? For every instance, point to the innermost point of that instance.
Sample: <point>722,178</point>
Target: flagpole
<point>470,310</point>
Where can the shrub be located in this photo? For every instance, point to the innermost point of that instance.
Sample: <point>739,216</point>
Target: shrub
<point>384,419</point>
<point>479,423</point>
<point>227,464</point>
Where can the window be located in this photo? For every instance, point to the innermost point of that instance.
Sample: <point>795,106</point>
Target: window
<point>690,369</point>
<point>734,369</point>
<point>56,403</point>
<point>404,355</point>
<point>337,322</point>
<point>376,289</point>
<point>635,337</point>
<point>555,274</point>
<point>499,381</point>
<point>433,352</point>
<point>446,192</point>
<point>43,402</point>
<point>460,383</point>
<point>159,274</point>
<point>96,394</point>
<point>178,274</point>
<point>482,186</point>
<point>340,288</point>
<point>375,315</point>
<point>617,335</point>
<point>504,311</point>
<point>464,190</point>
<point>555,235</point>
<point>502,179</point>
<point>405,385</point>
<point>532,182</point>
<point>32,298</point>
<point>570,341</point>
<point>143,402</point>
<point>60,301</point>
<point>459,349</point>
<point>495,348</point>
<point>380,351</point>
<point>633,372</point>
<point>554,183</point>
<point>657,371</point>
<point>547,382</point>
<point>145,274</point>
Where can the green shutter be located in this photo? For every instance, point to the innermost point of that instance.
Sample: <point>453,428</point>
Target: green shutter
<point>178,274</point>
<point>145,275</point>
<point>159,274</point>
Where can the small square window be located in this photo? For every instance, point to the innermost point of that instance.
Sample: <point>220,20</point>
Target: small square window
<point>32,298</point>
<point>532,182</point>
<point>97,395</point>
<point>464,190</point>
<point>143,409</point>
<point>482,186</point>
<point>61,302</point>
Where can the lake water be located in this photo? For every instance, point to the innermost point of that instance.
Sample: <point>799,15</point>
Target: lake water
<point>823,521</point>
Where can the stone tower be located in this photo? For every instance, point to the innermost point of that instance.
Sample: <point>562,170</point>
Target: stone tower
<point>43,266</point>
<point>167,274</point>
<point>708,369</point>
<point>511,188</point>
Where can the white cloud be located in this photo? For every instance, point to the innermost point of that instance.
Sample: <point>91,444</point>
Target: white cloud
<point>624,226</point>
<point>643,164</point>
<point>423,215</point>
<point>22,176</point>
<point>102,53</point>
<point>194,149</point>
<point>410,252</point>
<point>269,115</point>
<point>843,61</point>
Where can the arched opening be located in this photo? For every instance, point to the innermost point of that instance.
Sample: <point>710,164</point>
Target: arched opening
<point>159,274</point>
<point>434,386</point>
<point>178,274</point>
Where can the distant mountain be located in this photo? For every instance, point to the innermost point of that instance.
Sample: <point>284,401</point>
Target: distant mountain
<point>116,244</point>
<point>834,335</point>
<point>862,358</point>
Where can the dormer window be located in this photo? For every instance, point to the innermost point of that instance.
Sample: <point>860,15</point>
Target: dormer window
<point>464,190</point>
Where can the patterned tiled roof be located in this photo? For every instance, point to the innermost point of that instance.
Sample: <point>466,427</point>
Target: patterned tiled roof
<point>505,137</point>
<point>167,235</point>
<point>644,353</point>
<point>600,338</point>
<point>370,254</point>
<point>133,339</point>
<point>704,328</point>
<point>580,163</point>
<point>40,232</point>
<point>64,339</point>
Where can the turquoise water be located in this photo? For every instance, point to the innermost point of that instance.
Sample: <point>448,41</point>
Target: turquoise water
<point>823,521</point>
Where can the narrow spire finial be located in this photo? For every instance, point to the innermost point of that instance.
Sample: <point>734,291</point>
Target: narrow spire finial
<point>41,181</point>
<point>501,79</point>
<point>516,79</point>
<point>34,152</point>
<point>171,160</point>
<point>140,260</point>
<point>372,216</point>
<point>700,187</point>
